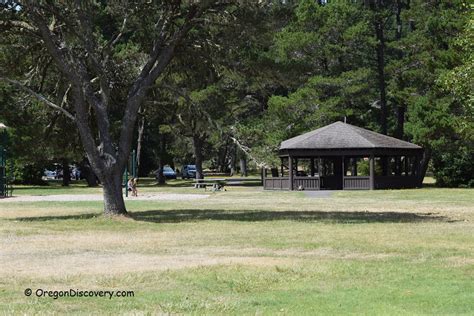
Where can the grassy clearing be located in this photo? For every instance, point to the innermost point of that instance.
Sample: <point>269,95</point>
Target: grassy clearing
<point>245,251</point>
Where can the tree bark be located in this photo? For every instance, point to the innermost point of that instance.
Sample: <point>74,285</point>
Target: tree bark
<point>380,36</point>
<point>160,176</point>
<point>401,108</point>
<point>243,167</point>
<point>107,156</point>
<point>233,156</point>
<point>113,197</point>
<point>423,166</point>
<point>88,174</point>
<point>198,144</point>
<point>66,173</point>
<point>141,130</point>
<point>222,158</point>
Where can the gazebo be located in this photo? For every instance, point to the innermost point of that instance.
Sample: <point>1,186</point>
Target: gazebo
<point>341,156</point>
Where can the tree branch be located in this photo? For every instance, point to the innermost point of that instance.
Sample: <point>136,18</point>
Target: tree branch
<point>157,62</point>
<point>41,98</point>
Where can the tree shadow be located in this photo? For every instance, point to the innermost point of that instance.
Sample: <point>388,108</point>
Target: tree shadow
<point>50,187</point>
<point>56,218</point>
<point>191,215</point>
<point>195,215</point>
<point>189,183</point>
<point>176,184</point>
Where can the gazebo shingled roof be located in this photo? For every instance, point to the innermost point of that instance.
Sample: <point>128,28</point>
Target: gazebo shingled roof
<point>332,158</point>
<point>341,135</point>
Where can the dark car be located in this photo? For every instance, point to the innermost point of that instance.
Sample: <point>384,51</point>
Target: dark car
<point>168,173</point>
<point>189,171</point>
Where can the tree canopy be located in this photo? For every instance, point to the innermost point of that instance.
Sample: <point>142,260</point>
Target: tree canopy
<point>215,82</point>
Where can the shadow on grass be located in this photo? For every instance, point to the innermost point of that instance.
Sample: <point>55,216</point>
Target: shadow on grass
<point>53,186</point>
<point>189,215</point>
<point>56,218</point>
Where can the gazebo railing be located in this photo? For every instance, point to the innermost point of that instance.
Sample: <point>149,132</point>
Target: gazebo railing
<point>356,183</point>
<point>276,183</point>
<point>307,183</point>
<point>283,183</point>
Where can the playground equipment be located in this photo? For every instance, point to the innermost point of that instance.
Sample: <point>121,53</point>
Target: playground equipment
<point>5,187</point>
<point>132,166</point>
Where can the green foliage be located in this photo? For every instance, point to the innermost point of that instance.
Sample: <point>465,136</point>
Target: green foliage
<point>29,173</point>
<point>247,77</point>
<point>432,125</point>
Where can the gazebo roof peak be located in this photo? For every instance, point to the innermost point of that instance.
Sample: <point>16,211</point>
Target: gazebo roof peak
<point>339,135</point>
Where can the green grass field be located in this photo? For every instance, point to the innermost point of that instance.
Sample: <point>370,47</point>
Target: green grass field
<point>243,251</point>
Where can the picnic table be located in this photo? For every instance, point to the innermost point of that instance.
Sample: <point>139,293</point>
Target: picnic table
<point>217,184</point>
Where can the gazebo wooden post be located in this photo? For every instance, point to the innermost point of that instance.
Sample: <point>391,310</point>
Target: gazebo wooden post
<point>320,167</point>
<point>398,164</point>
<point>281,166</point>
<point>354,166</point>
<point>290,166</point>
<point>414,167</point>
<point>372,171</point>
<point>406,165</point>
<point>343,170</point>
<point>312,166</point>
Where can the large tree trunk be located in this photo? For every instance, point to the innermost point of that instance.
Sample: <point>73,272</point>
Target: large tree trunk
<point>141,130</point>
<point>243,167</point>
<point>377,7</point>
<point>233,157</point>
<point>79,54</point>
<point>66,173</point>
<point>222,158</point>
<point>160,176</point>
<point>162,160</point>
<point>88,174</point>
<point>423,167</point>
<point>380,36</point>
<point>401,109</point>
<point>198,144</point>
<point>113,198</point>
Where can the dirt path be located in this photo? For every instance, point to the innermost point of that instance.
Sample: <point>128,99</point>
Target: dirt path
<point>99,197</point>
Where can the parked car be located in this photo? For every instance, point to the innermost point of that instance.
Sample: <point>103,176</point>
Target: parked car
<point>168,172</point>
<point>189,171</point>
<point>49,175</point>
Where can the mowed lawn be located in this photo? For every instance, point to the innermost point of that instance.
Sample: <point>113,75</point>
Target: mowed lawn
<point>243,251</point>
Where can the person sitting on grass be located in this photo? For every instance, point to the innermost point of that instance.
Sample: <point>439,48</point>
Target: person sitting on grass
<point>130,185</point>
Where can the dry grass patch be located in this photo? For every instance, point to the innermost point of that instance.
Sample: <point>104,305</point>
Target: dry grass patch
<point>246,251</point>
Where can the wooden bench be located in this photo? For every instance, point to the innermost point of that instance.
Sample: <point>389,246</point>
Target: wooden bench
<point>243,181</point>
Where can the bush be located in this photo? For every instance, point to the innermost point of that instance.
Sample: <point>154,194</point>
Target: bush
<point>454,167</point>
<point>29,173</point>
